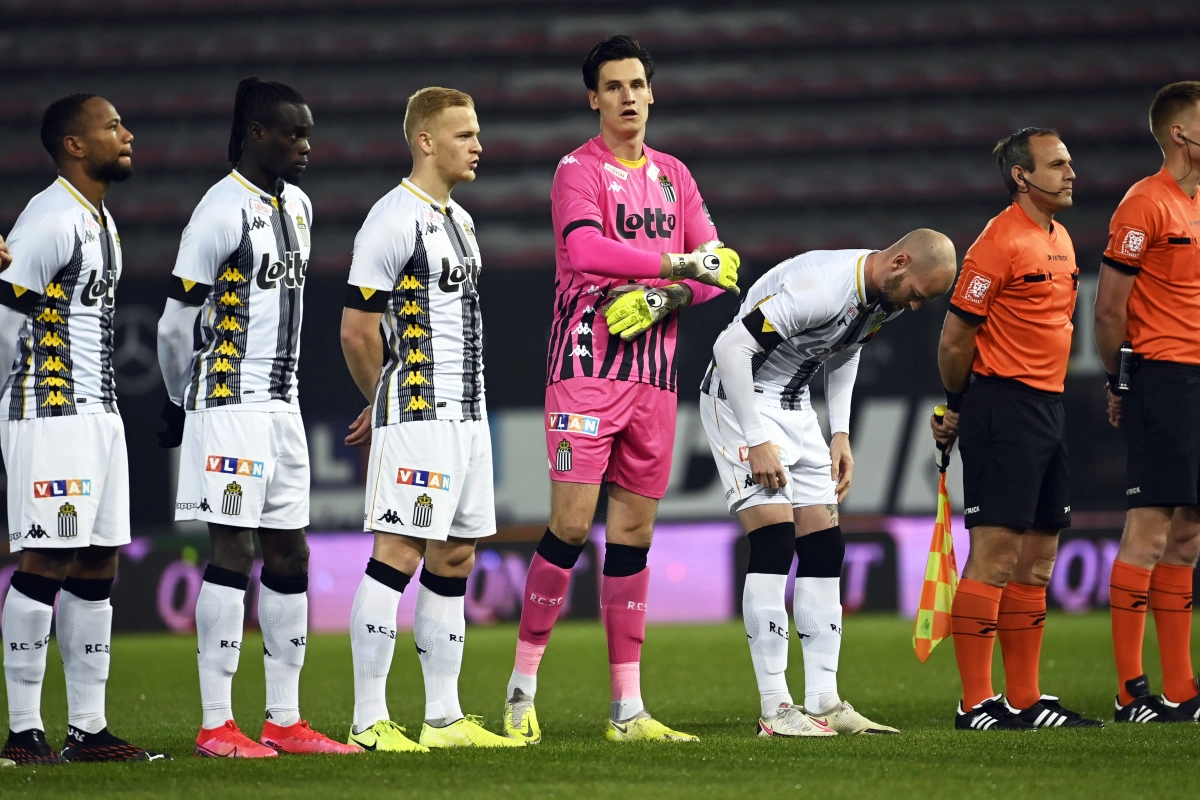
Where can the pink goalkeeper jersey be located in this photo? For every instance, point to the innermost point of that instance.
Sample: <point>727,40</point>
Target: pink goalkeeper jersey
<point>652,206</point>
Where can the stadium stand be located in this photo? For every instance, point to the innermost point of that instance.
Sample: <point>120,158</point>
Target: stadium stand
<point>805,125</point>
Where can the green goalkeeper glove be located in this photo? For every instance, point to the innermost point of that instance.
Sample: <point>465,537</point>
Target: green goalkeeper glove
<point>712,263</point>
<point>632,309</point>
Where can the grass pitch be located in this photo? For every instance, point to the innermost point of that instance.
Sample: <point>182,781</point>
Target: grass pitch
<point>695,678</point>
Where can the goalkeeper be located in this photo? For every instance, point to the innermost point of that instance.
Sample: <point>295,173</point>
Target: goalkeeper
<point>634,243</point>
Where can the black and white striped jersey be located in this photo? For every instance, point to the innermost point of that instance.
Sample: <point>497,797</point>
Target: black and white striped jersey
<point>64,273</point>
<point>243,259</point>
<point>810,309</point>
<point>418,263</point>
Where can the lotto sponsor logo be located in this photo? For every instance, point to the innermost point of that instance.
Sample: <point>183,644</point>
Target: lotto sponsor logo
<point>67,487</point>
<point>573,423</point>
<point>419,477</point>
<point>1131,241</point>
<point>234,466</point>
<point>976,286</point>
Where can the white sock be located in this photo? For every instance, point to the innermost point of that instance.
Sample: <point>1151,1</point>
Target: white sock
<point>284,622</point>
<point>767,627</point>
<point>439,628</point>
<point>84,634</point>
<point>527,684</point>
<point>818,608</point>
<point>220,611</point>
<point>372,642</point>
<point>26,629</point>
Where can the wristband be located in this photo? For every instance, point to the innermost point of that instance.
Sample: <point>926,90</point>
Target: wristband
<point>1114,384</point>
<point>954,400</point>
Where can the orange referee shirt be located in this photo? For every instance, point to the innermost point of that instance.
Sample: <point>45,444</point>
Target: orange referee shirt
<point>1020,282</point>
<point>1155,234</point>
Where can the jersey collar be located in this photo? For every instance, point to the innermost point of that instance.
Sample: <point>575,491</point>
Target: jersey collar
<point>412,187</point>
<point>860,277</point>
<point>1174,188</point>
<point>65,184</point>
<point>254,190</point>
<point>1051,234</point>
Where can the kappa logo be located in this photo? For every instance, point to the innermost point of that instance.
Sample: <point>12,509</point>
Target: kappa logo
<point>36,532</point>
<point>391,518</point>
<point>977,286</point>
<point>562,458</point>
<point>573,423</point>
<point>749,482</point>
<point>431,228</point>
<point>569,160</point>
<point>231,500</point>
<point>1131,241</point>
<point>258,223</point>
<point>614,187</point>
<point>583,328</point>
<point>89,237</point>
<point>581,350</point>
<point>201,506</point>
<point>406,476</point>
<point>67,487</point>
<point>235,466</point>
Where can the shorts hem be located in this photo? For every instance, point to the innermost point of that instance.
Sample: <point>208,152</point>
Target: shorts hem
<point>1025,526</point>
<point>242,524</point>
<point>651,495</point>
<point>1153,503</point>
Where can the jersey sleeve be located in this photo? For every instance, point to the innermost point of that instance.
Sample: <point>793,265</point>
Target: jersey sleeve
<point>39,249</point>
<point>381,249</point>
<point>210,238</point>
<point>986,270</point>
<point>698,226</point>
<point>1133,227</point>
<point>573,193</point>
<point>789,313</point>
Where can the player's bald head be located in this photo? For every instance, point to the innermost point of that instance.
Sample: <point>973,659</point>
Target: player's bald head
<point>931,258</point>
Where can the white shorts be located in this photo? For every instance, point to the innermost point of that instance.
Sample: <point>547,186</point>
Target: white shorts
<point>245,469</point>
<point>802,449</point>
<point>431,479</point>
<point>68,481</point>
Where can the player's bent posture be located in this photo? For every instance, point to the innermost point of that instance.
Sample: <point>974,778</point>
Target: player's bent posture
<point>412,306</point>
<point>622,213</point>
<point>233,404</point>
<point>1149,295</point>
<point>62,437</point>
<point>1007,339</point>
<point>783,481</point>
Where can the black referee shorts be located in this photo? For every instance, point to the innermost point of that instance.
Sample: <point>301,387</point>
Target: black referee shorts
<point>1161,418</point>
<point>1014,454</point>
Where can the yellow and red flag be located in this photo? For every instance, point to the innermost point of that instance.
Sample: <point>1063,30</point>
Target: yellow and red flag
<point>941,578</point>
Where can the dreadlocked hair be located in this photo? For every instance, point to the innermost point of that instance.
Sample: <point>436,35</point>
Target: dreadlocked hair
<point>255,102</point>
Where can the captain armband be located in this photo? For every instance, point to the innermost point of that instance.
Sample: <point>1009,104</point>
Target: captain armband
<point>18,298</point>
<point>762,330</point>
<point>364,298</point>
<point>190,293</point>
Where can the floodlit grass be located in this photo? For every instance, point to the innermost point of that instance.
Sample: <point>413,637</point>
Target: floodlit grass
<point>695,678</point>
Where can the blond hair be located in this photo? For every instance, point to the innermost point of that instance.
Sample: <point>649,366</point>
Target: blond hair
<point>425,105</point>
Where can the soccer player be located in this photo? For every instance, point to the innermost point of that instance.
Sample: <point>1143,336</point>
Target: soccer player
<point>232,402</point>
<point>622,213</point>
<point>784,482</point>
<point>1003,355</point>
<point>62,438</point>
<point>1149,295</point>
<point>412,333</point>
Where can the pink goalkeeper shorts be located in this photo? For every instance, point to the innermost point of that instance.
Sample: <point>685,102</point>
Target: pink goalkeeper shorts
<point>617,431</point>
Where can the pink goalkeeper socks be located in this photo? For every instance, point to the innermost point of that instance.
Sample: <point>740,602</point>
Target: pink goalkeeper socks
<point>623,609</point>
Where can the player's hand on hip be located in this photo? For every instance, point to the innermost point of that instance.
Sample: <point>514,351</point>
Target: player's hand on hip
<point>633,308</point>
<point>5,256</point>
<point>842,470</point>
<point>712,263</point>
<point>360,430</point>
<point>1114,408</point>
<point>766,467</point>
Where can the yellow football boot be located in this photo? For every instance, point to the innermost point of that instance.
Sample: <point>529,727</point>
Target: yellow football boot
<point>466,732</point>
<point>644,728</point>
<point>385,736</point>
<point>520,719</point>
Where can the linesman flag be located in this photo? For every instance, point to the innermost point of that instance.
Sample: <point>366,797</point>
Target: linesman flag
<point>941,571</point>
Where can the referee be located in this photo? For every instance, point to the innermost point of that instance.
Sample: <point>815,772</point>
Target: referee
<point>1003,356</point>
<point>1149,295</point>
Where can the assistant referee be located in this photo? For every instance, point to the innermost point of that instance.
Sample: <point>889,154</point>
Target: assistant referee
<point>1149,295</point>
<point>1003,356</point>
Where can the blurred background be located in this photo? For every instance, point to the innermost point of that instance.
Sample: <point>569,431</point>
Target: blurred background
<point>807,125</point>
